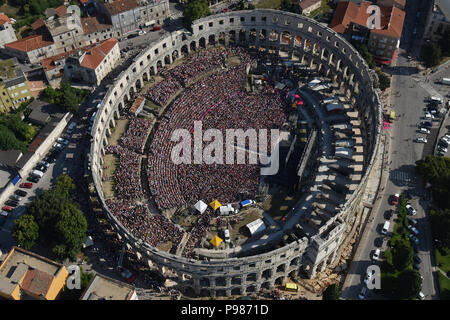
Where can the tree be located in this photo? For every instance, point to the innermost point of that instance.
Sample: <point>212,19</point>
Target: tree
<point>383,79</point>
<point>195,9</point>
<point>26,231</point>
<point>332,292</point>
<point>431,55</point>
<point>70,231</point>
<point>408,285</point>
<point>64,184</point>
<point>286,5</point>
<point>444,44</point>
<point>436,170</point>
<point>364,51</point>
<point>402,256</point>
<point>440,224</point>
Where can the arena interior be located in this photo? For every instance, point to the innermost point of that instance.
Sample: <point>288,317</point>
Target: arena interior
<point>258,69</point>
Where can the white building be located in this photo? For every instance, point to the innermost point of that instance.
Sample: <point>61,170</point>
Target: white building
<point>92,65</point>
<point>7,33</point>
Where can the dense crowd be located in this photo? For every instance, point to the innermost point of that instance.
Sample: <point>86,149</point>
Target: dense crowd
<point>184,74</point>
<point>222,103</point>
<point>127,174</point>
<point>152,229</point>
<point>136,135</point>
<point>197,233</point>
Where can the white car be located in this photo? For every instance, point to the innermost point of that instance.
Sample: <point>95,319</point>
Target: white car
<point>428,116</point>
<point>443,149</point>
<point>411,210</point>
<point>368,277</point>
<point>142,32</point>
<point>423,130</point>
<point>362,294</point>
<point>421,140</point>
<point>376,254</point>
<point>413,229</point>
<point>57,145</point>
<point>421,295</point>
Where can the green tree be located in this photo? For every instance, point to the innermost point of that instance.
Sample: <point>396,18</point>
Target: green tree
<point>9,141</point>
<point>332,292</point>
<point>364,51</point>
<point>64,184</point>
<point>440,224</point>
<point>431,55</point>
<point>195,9</point>
<point>286,5</point>
<point>384,80</point>
<point>26,231</point>
<point>49,95</point>
<point>408,285</point>
<point>70,230</point>
<point>444,44</point>
<point>402,256</point>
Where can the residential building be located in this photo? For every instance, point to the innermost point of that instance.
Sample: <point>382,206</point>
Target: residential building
<point>105,288</point>
<point>438,20</point>
<point>401,4</point>
<point>26,275</point>
<point>31,49</point>
<point>14,87</point>
<point>128,16</point>
<point>307,6</point>
<point>92,65</point>
<point>351,20</point>
<point>7,33</point>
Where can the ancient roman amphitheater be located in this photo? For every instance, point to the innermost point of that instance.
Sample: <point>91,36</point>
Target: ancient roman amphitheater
<point>310,238</point>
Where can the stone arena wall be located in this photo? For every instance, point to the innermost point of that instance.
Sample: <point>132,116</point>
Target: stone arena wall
<point>316,46</point>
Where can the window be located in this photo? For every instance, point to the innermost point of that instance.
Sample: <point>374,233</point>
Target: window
<point>200,27</point>
<point>253,19</point>
<point>231,20</point>
<point>210,24</point>
<point>242,19</point>
<point>264,19</point>
<point>220,21</point>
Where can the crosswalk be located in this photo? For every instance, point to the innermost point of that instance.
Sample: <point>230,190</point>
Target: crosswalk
<point>402,177</point>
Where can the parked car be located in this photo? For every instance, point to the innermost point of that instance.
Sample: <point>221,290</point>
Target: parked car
<point>127,275</point>
<point>421,295</point>
<point>7,208</point>
<point>388,214</point>
<point>412,220</point>
<point>34,179</point>
<point>417,259</point>
<point>57,145</point>
<point>379,242</point>
<point>21,193</point>
<point>44,163</point>
<point>428,116</point>
<point>426,124</point>
<point>362,293</point>
<point>421,140</point>
<point>368,277</point>
<point>413,238</point>
<point>12,203</point>
<point>411,210</point>
<point>442,149</point>
<point>15,197</point>
<point>156,28</point>
<point>414,230</point>
<point>416,266</point>
<point>376,254</point>
<point>395,199</point>
<point>26,185</point>
<point>423,130</point>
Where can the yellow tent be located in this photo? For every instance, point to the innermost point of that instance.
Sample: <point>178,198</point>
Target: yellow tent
<point>215,204</point>
<point>216,241</point>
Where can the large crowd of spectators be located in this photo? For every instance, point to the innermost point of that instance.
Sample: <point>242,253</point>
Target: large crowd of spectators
<point>136,135</point>
<point>222,103</point>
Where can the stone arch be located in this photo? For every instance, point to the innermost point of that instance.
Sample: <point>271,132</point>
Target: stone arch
<point>281,268</point>
<point>205,293</point>
<point>262,35</point>
<point>167,60</point>
<point>204,282</point>
<point>189,291</point>
<point>279,280</point>
<point>251,277</point>
<point>298,40</point>
<point>138,84</point>
<point>266,274</point>
<point>175,55</point>
<point>152,71</point>
<point>145,77</point>
<point>221,293</point>
<point>212,40</point>
<point>193,46</point>
<point>252,35</point>
<point>236,280</point>
<point>185,50</point>
<point>221,282</point>
<point>286,38</point>
<point>202,42</point>
<point>273,35</point>
<point>251,288</point>
<point>222,38</point>
<point>308,45</point>
<point>316,49</point>
<point>159,65</point>
<point>236,291</point>
<point>266,285</point>
<point>242,35</point>
<point>232,36</point>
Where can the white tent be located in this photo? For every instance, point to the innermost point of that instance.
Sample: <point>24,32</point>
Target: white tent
<point>201,206</point>
<point>256,226</point>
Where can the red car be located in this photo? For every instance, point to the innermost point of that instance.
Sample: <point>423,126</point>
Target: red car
<point>156,28</point>
<point>26,185</point>
<point>395,199</point>
<point>7,208</point>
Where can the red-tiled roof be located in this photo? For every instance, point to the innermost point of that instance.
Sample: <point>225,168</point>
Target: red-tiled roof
<point>39,23</point>
<point>4,18</point>
<point>95,56</point>
<point>92,24</point>
<point>61,10</point>
<point>37,282</point>
<point>392,19</point>
<point>348,12</point>
<point>34,145</point>
<point>29,43</point>
<point>119,6</point>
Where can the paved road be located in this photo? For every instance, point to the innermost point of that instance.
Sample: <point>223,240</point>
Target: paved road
<point>408,100</point>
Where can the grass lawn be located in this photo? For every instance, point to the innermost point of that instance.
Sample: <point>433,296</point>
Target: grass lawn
<point>444,287</point>
<point>268,4</point>
<point>251,215</point>
<point>324,9</point>
<point>279,204</point>
<point>443,261</point>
